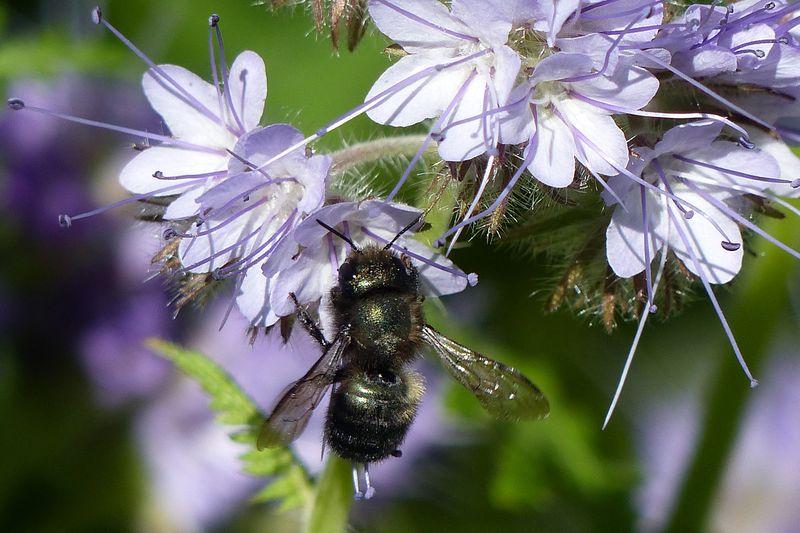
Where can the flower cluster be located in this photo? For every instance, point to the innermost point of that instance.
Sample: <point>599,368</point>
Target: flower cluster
<point>637,96</point>
<point>244,201</point>
<point>666,123</point>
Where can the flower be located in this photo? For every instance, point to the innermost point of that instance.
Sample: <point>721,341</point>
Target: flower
<point>695,178</point>
<point>745,42</point>
<point>245,218</point>
<point>567,115</point>
<point>308,262</point>
<point>458,68</point>
<point>206,123</point>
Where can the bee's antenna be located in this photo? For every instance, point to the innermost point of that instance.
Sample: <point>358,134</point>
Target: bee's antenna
<point>339,234</point>
<point>405,229</point>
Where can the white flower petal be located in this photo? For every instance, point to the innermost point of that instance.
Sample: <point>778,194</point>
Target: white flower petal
<point>422,99</point>
<point>608,142</point>
<point>687,137</point>
<point>786,159</point>
<point>628,87</point>
<point>490,20</point>
<point>717,264</point>
<point>414,35</point>
<point>554,160</point>
<point>137,175</point>
<point>183,118</point>
<point>309,277</point>
<point>625,238</point>
<point>247,81</point>
<point>185,205</point>
<point>253,298</point>
<point>472,138</point>
<point>727,155</point>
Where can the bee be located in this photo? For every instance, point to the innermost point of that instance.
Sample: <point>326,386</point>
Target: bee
<point>380,329</point>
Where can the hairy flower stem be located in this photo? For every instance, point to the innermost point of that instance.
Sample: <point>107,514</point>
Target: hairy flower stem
<point>761,303</point>
<point>375,150</point>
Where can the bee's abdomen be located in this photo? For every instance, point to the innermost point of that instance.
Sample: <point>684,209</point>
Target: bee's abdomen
<point>370,413</point>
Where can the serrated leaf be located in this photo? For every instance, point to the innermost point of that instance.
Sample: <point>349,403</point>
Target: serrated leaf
<point>232,405</point>
<point>333,498</point>
<point>290,483</point>
<point>292,489</point>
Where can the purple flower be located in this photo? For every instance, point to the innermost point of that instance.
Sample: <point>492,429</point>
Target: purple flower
<point>458,68</point>
<point>694,177</point>
<point>247,216</point>
<point>205,122</point>
<point>307,263</point>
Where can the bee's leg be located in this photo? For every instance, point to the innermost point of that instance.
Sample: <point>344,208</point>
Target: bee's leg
<point>361,485</point>
<point>309,324</point>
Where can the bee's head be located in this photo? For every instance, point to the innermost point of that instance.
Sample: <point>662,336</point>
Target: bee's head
<point>376,268</point>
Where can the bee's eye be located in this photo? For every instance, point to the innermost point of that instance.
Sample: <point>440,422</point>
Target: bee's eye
<point>346,271</point>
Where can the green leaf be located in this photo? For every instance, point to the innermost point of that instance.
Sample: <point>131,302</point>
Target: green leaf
<point>290,484</point>
<point>333,498</point>
<point>232,405</point>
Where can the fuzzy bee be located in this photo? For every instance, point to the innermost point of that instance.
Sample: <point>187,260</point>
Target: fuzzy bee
<point>380,329</point>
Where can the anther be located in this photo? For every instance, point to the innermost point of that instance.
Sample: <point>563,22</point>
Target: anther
<point>437,136</point>
<point>653,309</point>
<point>472,279</point>
<point>246,198</point>
<point>746,143</point>
<point>158,175</point>
<point>213,20</point>
<point>15,104</point>
<point>170,234</point>
<point>64,221</point>
<point>795,184</point>
<point>769,6</point>
<point>688,214</point>
<point>753,383</point>
<point>731,246</point>
<point>438,243</point>
<point>97,15</point>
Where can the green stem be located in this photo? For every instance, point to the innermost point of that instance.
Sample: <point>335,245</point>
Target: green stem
<point>375,150</point>
<point>761,301</point>
<point>334,496</point>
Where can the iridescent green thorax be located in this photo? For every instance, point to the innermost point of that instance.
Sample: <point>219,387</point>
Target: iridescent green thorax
<point>377,299</point>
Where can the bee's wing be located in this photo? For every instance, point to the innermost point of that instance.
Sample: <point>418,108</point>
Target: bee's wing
<point>291,415</point>
<point>503,391</point>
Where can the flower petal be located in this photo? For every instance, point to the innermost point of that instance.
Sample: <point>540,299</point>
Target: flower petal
<point>553,162</point>
<point>608,143</point>
<point>625,238</point>
<point>137,175</point>
<point>183,118</point>
<point>413,35</point>
<point>417,101</point>
<point>472,138</point>
<point>717,264</point>
<point>253,298</point>
<point>247,81</point>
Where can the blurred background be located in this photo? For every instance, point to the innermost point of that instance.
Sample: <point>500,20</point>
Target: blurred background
<point>99,434</point>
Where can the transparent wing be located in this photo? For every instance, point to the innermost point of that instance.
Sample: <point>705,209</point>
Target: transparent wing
<point>291,415</point>
<point>504,392</point>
